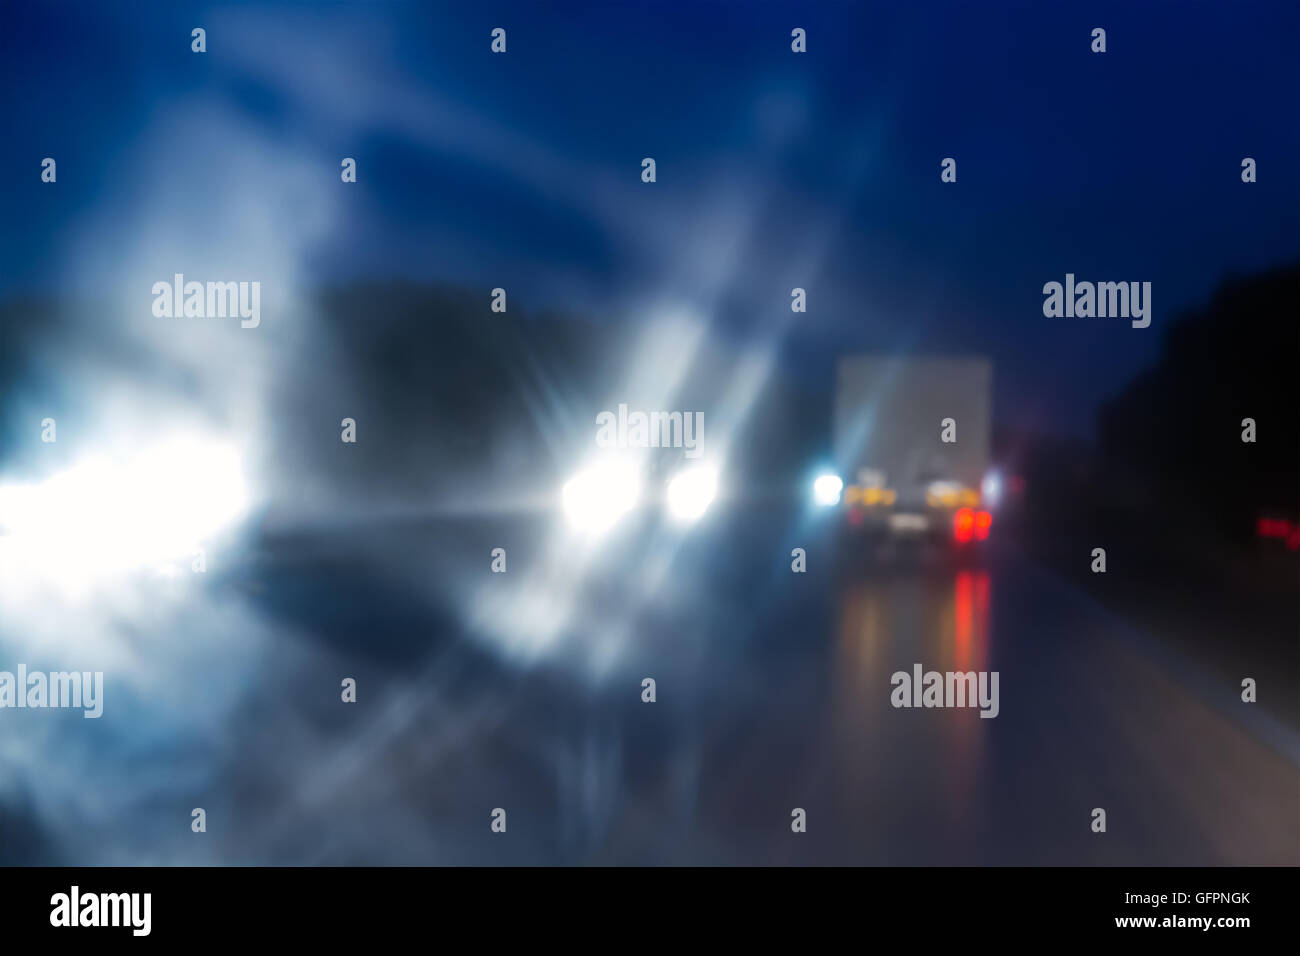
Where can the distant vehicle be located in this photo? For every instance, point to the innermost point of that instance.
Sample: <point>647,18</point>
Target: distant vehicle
<point>895,476</point>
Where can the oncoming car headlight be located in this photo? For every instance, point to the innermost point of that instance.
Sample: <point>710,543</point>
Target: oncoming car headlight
<point>599,495</point>
<point>690,492</point>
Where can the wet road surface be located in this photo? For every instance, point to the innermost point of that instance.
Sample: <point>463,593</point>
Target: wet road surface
<point>523,691</point>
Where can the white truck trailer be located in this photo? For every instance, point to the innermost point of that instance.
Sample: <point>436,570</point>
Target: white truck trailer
<point>912,451</point>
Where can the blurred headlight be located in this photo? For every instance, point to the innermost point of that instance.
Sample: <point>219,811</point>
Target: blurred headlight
<point>826,490</point>
<point>600,494</point>
<point>991,488</point>
<point>109,515</point>
<point>691,492</point>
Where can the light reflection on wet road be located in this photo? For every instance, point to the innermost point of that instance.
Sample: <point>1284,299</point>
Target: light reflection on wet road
<point>1086,721</point>
<point>771,696</point>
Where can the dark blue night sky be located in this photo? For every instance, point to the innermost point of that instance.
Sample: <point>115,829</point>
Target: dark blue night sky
<point>775,170</point>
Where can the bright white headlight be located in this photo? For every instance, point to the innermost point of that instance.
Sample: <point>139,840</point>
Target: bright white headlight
<point>110,515</point>
<point>991,489</point>
<point>826,490</point>
<point>596,497</point>
<point>691,492</point>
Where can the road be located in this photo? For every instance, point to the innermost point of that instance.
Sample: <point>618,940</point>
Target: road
<point>523,691</point>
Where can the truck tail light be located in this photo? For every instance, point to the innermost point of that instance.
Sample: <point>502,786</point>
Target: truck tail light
<point>971,525</point>
<point>963,525</point>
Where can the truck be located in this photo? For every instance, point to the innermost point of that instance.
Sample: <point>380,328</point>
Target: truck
<point>911,443</point>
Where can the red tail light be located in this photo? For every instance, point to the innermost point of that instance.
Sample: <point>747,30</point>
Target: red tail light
<point>1273,528</point>
<point>1280,528</point>
<point>963,525</point>
<point>969,524</point>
